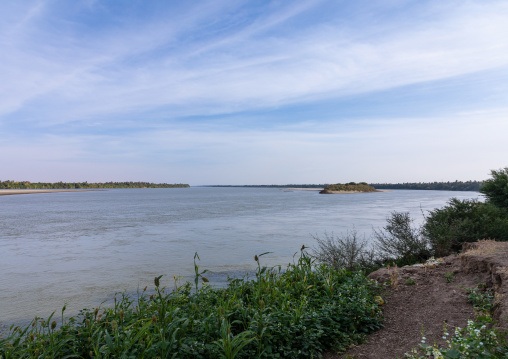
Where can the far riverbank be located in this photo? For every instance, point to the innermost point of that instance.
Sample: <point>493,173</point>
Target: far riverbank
<point>5,192</point>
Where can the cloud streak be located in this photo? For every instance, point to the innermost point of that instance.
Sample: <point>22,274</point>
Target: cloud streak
<point>139,83</point>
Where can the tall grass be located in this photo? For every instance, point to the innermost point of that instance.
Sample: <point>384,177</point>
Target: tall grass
<point>296,312</point>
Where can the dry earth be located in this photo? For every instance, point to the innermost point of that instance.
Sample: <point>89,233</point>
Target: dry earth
<point>433,301</point>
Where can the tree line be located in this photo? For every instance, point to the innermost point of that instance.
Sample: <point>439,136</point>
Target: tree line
<point>436,186</point>
<point>85,185</point>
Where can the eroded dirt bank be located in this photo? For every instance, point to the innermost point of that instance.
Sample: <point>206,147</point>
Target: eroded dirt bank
<point>433,301</point>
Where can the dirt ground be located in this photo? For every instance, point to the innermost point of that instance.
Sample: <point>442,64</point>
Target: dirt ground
<point>432,301</point>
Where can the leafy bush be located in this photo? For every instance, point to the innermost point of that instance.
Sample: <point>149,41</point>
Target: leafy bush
<point>399,240</point>
<point>448,228</point>
<point>293,313</point>
<point>496,188</point>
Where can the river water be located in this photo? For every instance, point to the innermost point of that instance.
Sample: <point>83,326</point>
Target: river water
<point>81,248</point>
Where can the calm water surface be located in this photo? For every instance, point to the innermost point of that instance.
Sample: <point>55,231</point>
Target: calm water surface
<point>80,248</point>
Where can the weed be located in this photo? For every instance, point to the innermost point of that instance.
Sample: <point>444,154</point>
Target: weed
<point>482,301</point>
<point>410,281</point>
<point>449,276</point>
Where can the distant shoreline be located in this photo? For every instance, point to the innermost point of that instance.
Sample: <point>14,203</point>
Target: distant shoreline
<point>6,192</point>
<point>334,192</point>
<point>350,192</point>
<point>305,189</point>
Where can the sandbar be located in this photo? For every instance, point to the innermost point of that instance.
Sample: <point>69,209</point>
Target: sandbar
<point>348,192</point>
<point>5,192</point>
<point>305,189</point>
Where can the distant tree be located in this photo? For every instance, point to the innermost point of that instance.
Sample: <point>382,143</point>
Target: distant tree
<point>496,188</point>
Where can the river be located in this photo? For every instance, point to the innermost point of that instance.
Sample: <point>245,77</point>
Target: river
<point>80,248</point>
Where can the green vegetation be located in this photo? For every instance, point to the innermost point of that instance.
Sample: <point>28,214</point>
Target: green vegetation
<point>294,313</point>
<point>448,228</point>
<point>496,188</point>
<point>436,186</point>
<point>85,185</point>
<point>410,281</point>
<point>449,276</point>
<point>350,187</point>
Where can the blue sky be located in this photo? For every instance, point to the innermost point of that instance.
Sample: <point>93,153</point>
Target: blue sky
<point>253,92</point>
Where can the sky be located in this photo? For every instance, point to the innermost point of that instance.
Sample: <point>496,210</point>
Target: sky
<point>253,92</point>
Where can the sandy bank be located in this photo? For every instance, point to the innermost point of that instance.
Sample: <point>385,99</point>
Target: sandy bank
<point>5,192</point>
<point>305,189</point>
<point>348,192</point>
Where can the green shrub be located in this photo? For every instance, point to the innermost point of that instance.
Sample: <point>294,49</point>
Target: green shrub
<point>461,221</point>
<point>496,188</point>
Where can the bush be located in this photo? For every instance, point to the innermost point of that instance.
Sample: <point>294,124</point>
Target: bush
<point>346,251</point>
<point>448,228</point>
<point>400,240</point>
<point>496,188</point>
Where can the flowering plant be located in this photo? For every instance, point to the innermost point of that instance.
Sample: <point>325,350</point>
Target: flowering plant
<point>474,341</point>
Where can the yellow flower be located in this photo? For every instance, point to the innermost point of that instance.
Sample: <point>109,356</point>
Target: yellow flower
<point>379,300</point>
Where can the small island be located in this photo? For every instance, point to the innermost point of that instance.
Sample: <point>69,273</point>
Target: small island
<point>350,187</point>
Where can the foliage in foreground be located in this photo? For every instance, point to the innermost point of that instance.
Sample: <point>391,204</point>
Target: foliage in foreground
<point>296,313</point>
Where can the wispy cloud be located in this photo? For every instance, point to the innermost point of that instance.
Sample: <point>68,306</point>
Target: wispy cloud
<point>153,77</point>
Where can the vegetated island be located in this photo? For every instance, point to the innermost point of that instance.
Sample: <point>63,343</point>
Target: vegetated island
<point>85,185</point>
<point>350,187</point>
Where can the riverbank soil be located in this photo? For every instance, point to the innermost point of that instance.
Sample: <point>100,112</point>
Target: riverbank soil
<point>425,300</point>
